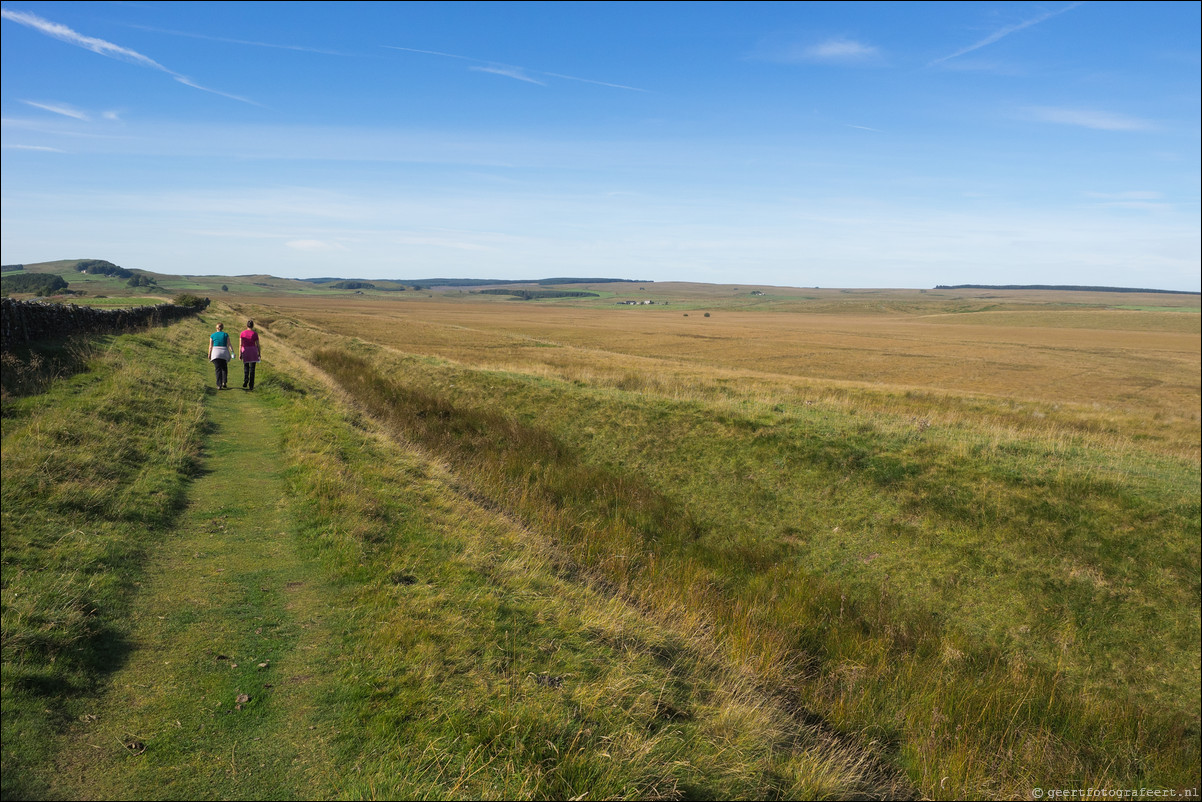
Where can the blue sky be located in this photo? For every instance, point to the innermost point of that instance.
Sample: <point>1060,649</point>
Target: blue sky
<point>804,144</point>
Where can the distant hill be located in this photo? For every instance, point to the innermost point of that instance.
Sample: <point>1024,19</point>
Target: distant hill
<point>1066,287</point>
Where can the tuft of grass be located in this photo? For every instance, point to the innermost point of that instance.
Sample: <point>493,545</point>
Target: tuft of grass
<point>30,370</point>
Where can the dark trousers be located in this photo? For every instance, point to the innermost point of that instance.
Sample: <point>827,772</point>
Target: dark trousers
<point>223,372</point>
<point>248,375</point>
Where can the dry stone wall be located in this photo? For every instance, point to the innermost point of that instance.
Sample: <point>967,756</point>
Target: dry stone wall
<point>29,321</point>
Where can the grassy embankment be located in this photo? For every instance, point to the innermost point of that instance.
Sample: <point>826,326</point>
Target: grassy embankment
<point>393,638</point>
<point>95,467</point>
<point>979,600</point>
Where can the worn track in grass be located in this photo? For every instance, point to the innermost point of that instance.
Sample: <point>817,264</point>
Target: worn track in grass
<point>228,644</point>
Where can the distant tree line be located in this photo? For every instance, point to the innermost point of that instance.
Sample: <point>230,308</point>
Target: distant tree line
<point>10,268</point>
<point>37,283</point>
<point>1066,287</point>
<point>529,295</point>
<point>99,267</point>
<point>353,285</point>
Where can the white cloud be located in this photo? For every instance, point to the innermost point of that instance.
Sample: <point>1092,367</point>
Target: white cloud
<point>840,50</point>
<point>827,241</point>
<point>39,148</point>
<point>65,34</point>
<point>58,108</point>
<point>104,48</point>
<point>1089,118</point>
<point>1139,200</point>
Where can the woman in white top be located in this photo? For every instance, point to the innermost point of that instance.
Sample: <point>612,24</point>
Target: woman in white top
<point>220,355</point>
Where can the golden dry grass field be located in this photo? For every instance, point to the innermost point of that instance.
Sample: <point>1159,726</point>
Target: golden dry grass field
<point>1132,370</point>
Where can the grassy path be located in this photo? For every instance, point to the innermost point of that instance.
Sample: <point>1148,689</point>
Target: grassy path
<point>316,610</point>
<point>218,697</point>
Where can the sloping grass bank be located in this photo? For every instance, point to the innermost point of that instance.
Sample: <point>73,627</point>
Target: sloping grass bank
<point>773,552</point>
<point>477,665</point>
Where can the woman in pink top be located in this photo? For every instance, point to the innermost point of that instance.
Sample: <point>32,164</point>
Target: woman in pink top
<point>248,351</point>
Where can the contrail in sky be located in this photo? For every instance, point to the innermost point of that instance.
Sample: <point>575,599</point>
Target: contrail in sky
<point>249,42</point>
<point>1003,33</point>
<point>516,73</point>
<point>512,71</point>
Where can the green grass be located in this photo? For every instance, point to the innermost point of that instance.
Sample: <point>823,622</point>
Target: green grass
<point>94,475</point>
<point>30,370</point>
<point>478,583</point>
<point>982,602</point>
<point>221,693</point>
<point>393,636</point>
<point>484,670</point>
<point>118,303</point>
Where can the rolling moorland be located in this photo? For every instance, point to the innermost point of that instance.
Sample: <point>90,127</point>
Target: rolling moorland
<point>737,542</point>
